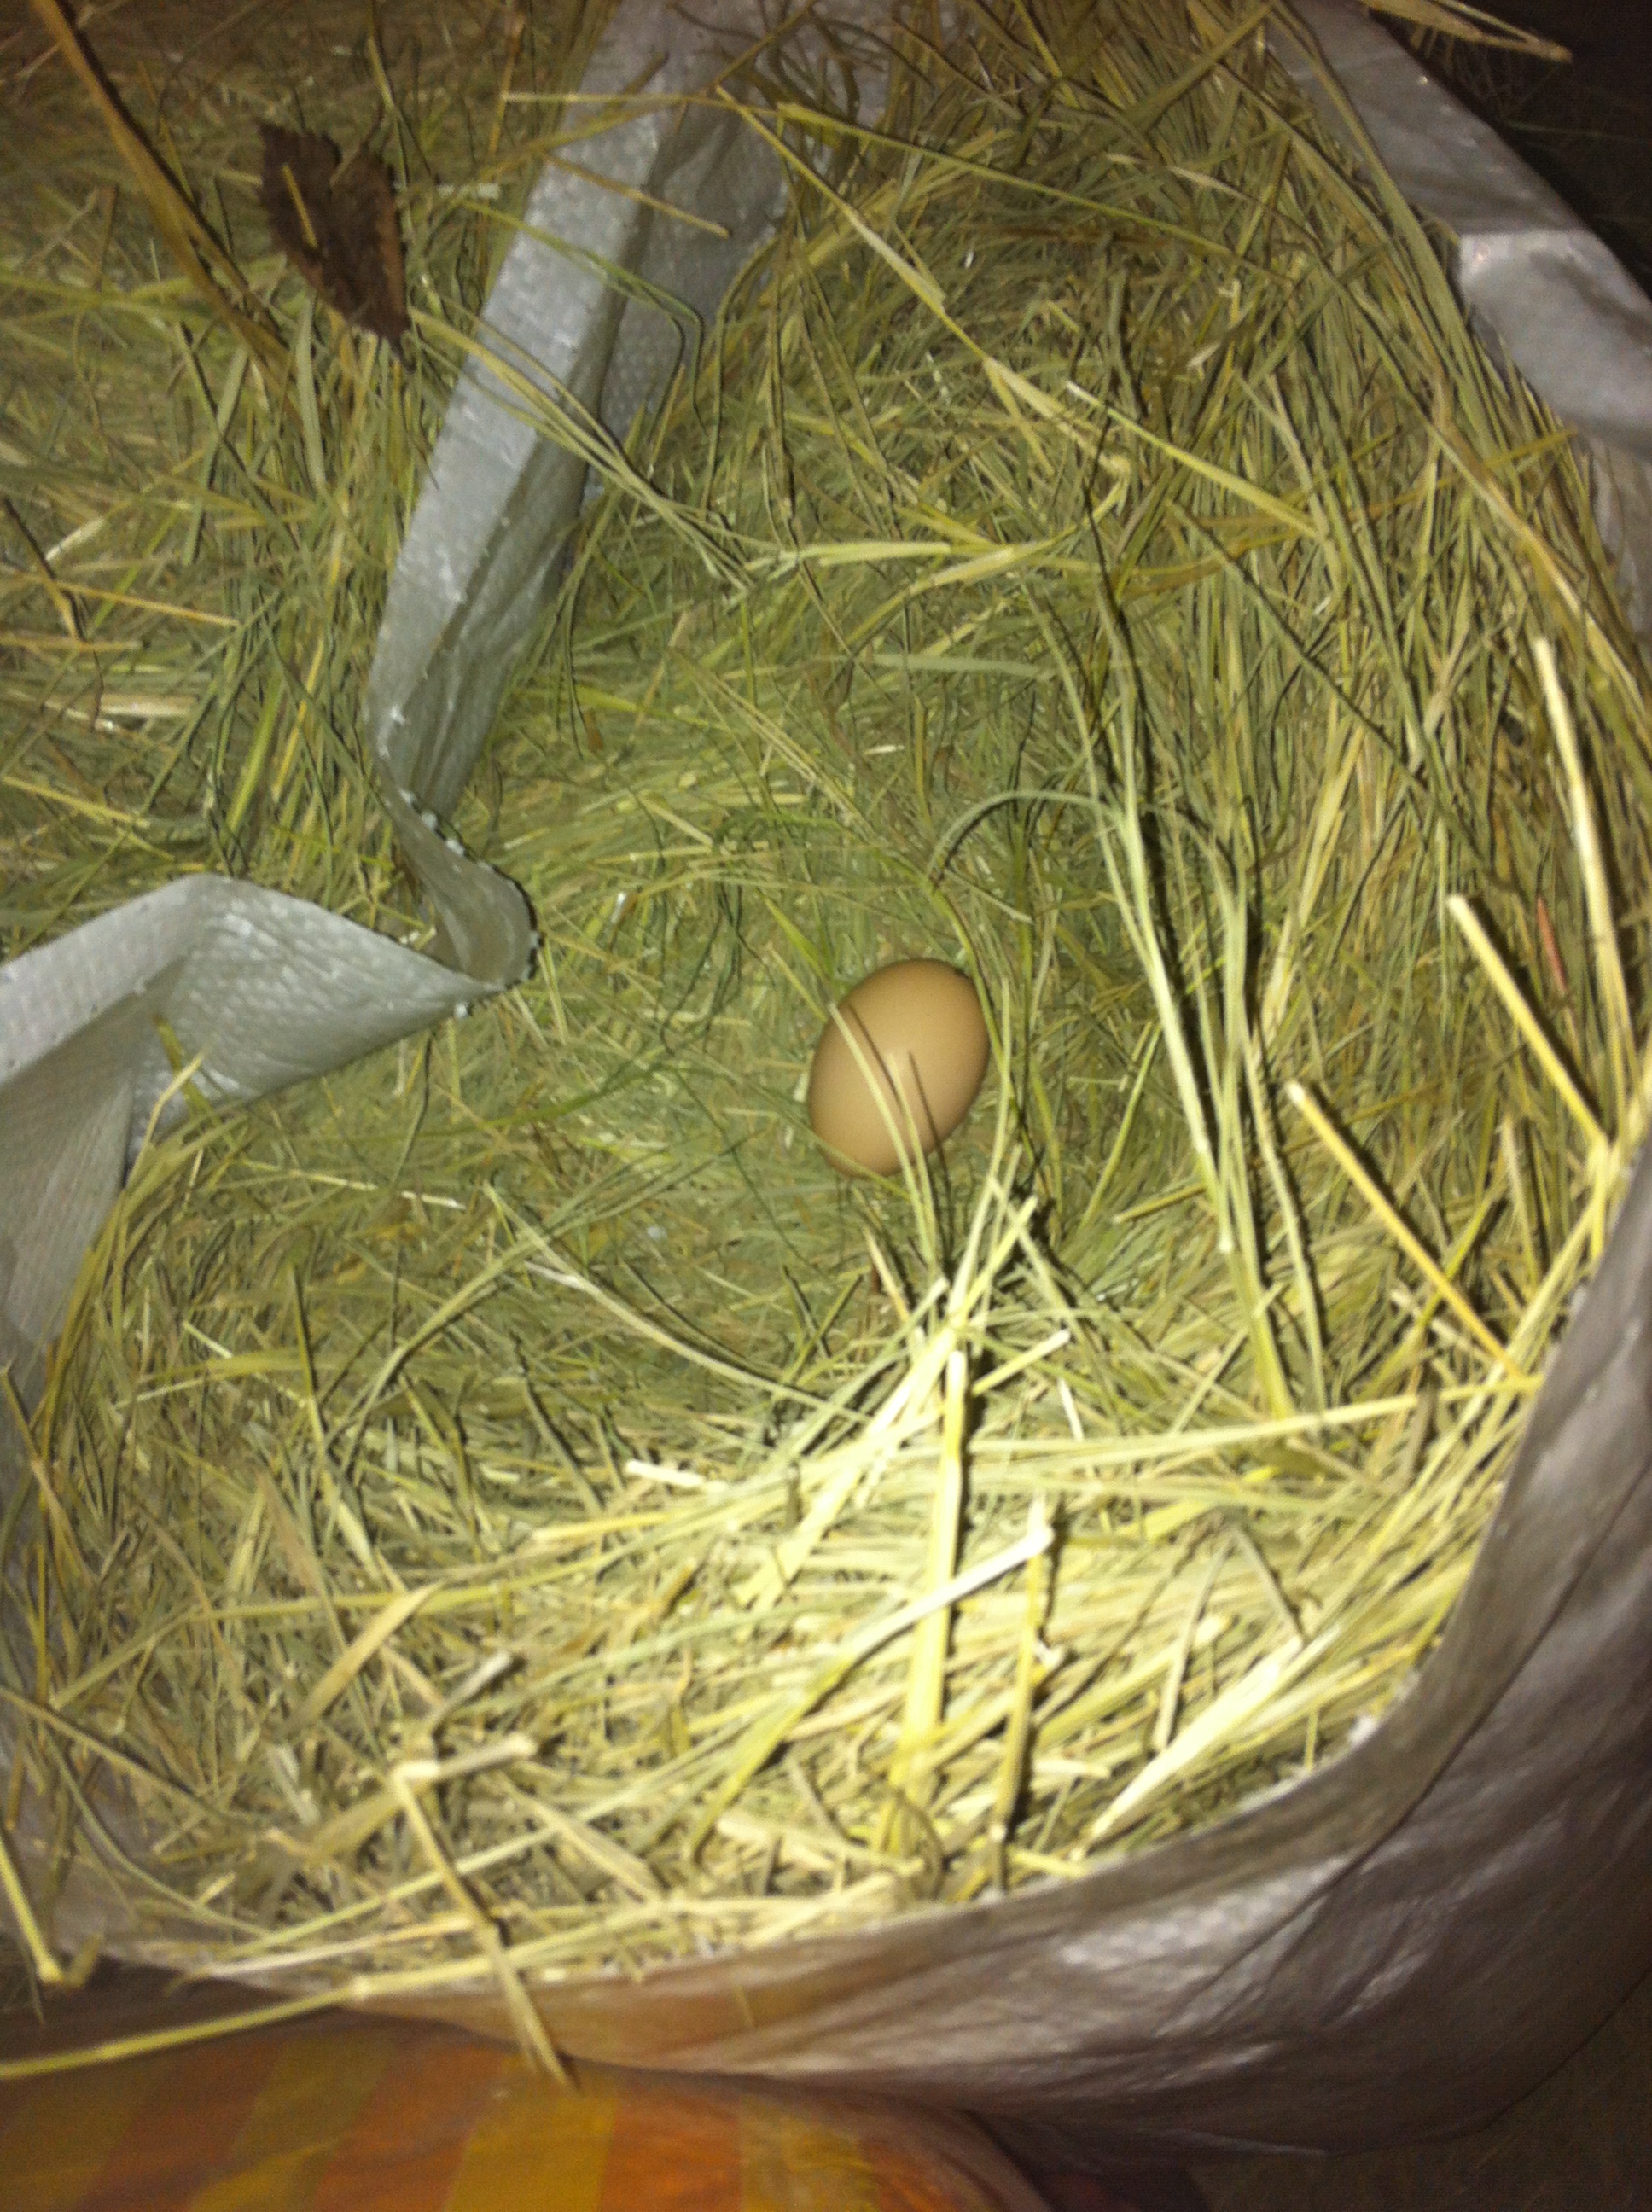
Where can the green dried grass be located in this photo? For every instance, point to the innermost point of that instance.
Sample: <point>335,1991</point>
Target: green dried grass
<point>194,549</point>
<point>515,1490</point>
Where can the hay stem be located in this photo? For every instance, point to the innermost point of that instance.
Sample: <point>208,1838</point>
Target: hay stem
<point>1528,1024</point>
<point>1608,963</point>
<point>925,1690</point>
<point>1444,1288</point>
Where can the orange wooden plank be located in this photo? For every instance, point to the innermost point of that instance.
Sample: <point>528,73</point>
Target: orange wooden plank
<point>538,2149</point>
<point>673,2153</point>
<point>320,2081</point>
<point>792,2163</point>
<point>404,2152</point>
<point>905,2184</point>
<point>59,2135</point>
<point>186,2131</point>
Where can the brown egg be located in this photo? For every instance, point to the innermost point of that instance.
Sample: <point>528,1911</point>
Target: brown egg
<point>903,1056</point>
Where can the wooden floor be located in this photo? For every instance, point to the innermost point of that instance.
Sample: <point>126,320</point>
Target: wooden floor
<point>1583,2142</point>
<point>343,2113</point>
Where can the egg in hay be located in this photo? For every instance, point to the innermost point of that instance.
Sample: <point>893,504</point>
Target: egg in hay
<point>900,1059</point>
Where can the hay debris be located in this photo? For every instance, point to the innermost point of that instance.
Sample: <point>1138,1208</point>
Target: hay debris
<point>515,1486</point>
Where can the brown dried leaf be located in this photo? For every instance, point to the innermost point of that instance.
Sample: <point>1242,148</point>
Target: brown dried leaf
<point>337,227</point>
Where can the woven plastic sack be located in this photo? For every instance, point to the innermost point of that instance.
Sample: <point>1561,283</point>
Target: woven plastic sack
<point>1398,1944</point>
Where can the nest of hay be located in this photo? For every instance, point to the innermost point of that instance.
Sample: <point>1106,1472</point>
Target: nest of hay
<point>513,1506</point>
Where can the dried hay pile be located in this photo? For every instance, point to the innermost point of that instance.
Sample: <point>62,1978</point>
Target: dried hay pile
<point>512,1507</point>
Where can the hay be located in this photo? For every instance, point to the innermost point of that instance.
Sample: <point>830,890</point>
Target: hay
<point>512,1508</point>
<point>195,546</point>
